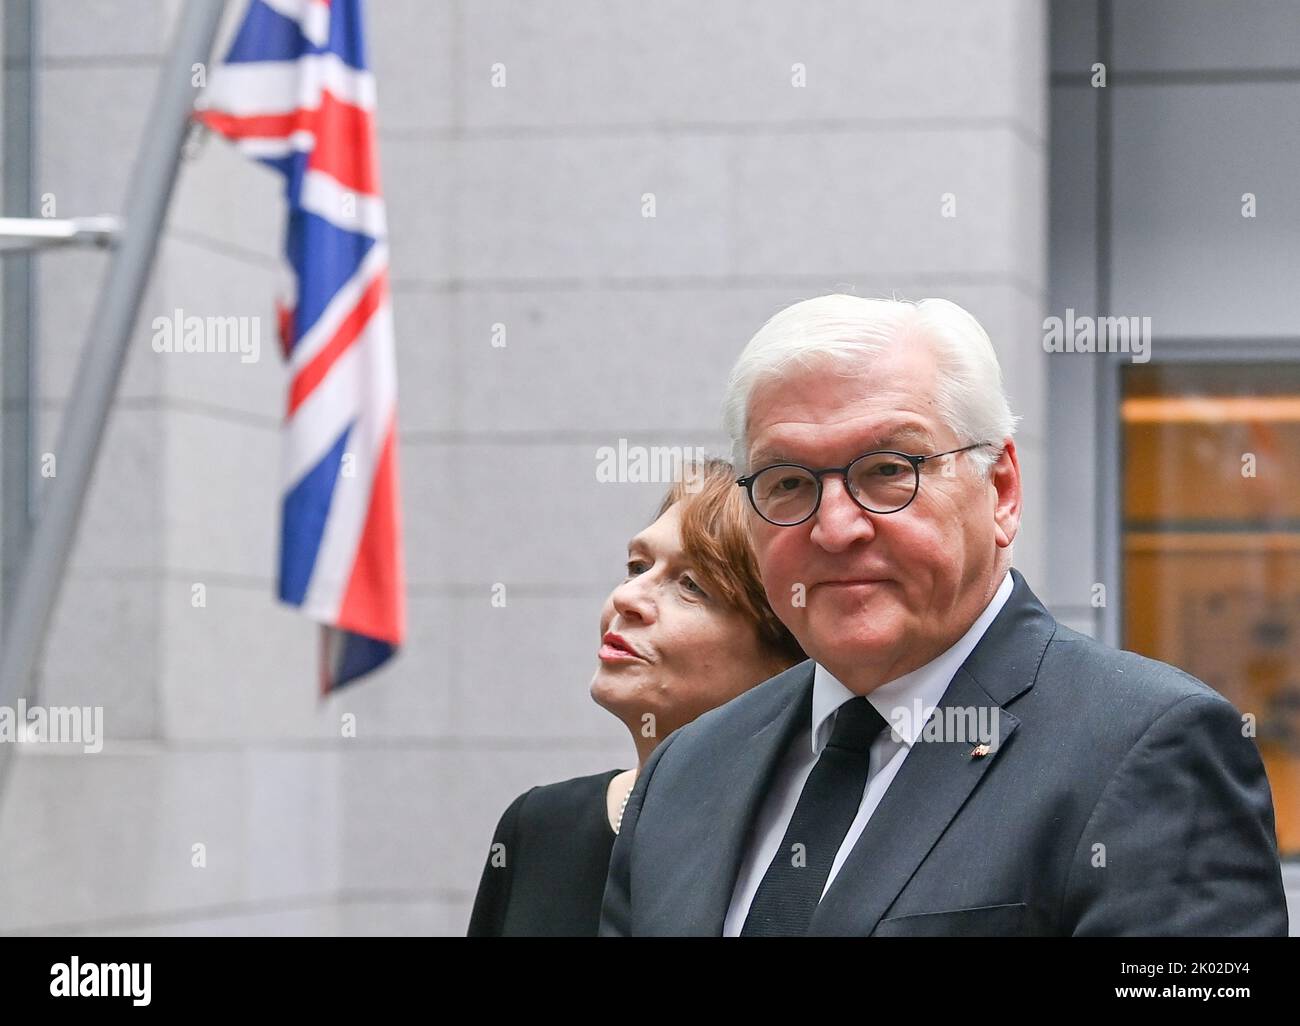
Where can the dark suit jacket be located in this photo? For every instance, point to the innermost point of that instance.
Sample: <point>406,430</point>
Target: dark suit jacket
<point>1119,798</point>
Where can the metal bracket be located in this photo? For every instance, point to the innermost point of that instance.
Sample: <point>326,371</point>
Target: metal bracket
<point>22,233</point>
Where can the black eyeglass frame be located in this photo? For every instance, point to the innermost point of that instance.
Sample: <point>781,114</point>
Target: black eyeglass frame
<point>747,482</point>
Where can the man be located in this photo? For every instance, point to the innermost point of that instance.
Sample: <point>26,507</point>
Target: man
<point>950,760</point>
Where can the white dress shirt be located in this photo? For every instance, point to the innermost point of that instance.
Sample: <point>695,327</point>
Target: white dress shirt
<point>897,701</point>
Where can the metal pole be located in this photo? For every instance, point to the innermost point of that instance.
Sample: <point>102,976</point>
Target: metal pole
<point>105,351</point>
<point>20,386</point>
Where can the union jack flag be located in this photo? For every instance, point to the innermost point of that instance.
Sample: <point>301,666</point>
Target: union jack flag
<point>294,93</point>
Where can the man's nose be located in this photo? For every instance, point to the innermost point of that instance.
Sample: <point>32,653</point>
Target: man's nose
<point>839,521</point>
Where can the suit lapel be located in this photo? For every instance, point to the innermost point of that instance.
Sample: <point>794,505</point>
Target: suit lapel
<point>751,759</point>
<point>937,777</point>
<point>932,784</point>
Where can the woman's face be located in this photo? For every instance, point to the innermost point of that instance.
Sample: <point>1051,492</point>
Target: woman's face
<point>682,651</point>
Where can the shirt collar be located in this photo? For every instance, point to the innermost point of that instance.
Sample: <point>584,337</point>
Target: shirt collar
<point>907,701</point>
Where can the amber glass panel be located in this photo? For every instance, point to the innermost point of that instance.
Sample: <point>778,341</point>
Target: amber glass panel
<point>1212,544</point>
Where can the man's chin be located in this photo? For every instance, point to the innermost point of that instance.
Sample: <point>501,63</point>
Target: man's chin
<point>838,600</point>
<point>856,607</point>
<point>860,648</point>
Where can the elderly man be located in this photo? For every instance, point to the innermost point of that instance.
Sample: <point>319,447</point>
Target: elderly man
<point>1106,794</point>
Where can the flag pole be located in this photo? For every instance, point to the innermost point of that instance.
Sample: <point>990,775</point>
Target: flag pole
<point>100,370</point>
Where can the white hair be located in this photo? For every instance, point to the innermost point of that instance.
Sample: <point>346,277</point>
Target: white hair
<point>838,330</point>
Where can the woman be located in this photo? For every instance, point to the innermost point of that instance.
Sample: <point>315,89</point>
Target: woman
<point>687,630</point>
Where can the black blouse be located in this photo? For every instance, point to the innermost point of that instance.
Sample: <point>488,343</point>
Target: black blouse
<point>557,840</point>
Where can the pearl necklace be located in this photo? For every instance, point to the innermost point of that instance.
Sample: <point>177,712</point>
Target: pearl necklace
<point>622,807</point>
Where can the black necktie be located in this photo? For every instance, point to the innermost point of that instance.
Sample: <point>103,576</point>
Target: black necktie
<point>786,898</point>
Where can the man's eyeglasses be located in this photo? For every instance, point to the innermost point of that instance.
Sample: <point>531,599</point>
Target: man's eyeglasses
<point>786,494</point>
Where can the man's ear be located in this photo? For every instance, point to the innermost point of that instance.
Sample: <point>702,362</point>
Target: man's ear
<point>1004,478</point>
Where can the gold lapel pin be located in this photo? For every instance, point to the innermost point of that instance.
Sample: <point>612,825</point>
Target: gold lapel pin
<point>979,751</point>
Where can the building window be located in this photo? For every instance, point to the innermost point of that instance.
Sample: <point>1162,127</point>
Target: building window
<point>1211,546</point>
